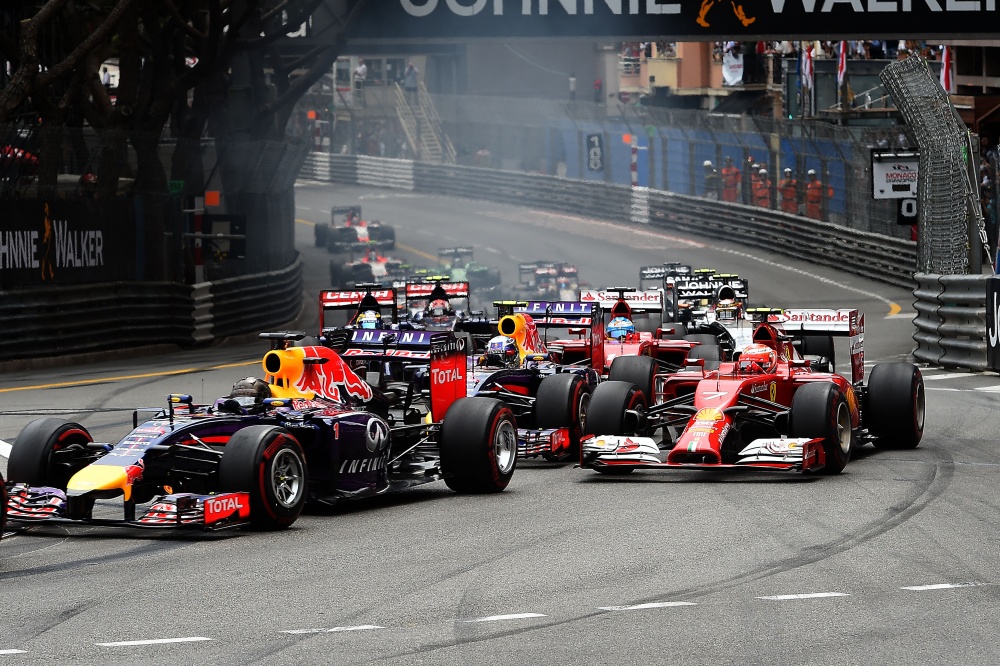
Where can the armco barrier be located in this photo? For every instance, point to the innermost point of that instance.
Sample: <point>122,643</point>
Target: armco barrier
<point>98,317</point>
<point>878,257</point>
<point>928,319</point>
<point>963,321</point>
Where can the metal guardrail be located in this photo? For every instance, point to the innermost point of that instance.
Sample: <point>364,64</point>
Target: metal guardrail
<point>100,317</point>
<point>951,320</point>
<point>878,257</point>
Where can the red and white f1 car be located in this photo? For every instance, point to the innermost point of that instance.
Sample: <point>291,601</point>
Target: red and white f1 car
<point>765,410</point>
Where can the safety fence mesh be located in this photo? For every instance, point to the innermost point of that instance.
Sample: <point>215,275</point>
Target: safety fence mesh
<point>943,185</point>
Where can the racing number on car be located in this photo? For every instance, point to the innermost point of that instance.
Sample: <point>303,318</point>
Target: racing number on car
<point>595,152</point>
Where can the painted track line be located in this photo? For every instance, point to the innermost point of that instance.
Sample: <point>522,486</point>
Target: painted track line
<point>941,586</point>
<point>499,618</point>
<point>13,651</point>
<point>948,375</point>
<point>331,630</point>
<point>811,595</point>
<point>155,641</point>
<point>655,604</point>
<point>4,449</point>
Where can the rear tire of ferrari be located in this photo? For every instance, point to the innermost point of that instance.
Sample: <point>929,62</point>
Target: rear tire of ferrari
<point>478,443</point>
<point>606,414</point>
<point>820,410</point>
<point>268,463</point>
<point>321,232</point>
<point>894,405</point>
<point>48,452</point>
<point>562,401</point>
<point>638,370</point>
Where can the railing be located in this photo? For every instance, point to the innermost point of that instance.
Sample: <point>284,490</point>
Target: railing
<point>448,155</point>
<point>49,323</point>
<point>951,320</point>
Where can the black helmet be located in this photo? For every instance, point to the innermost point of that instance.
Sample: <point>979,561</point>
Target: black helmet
<point>250,392</point>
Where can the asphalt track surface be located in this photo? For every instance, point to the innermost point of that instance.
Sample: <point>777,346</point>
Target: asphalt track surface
<point>893,561</point>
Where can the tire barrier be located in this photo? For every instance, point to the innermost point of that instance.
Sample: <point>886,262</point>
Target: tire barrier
<point>951,320</point>
<point>878,257</point>
<point>42,323</point>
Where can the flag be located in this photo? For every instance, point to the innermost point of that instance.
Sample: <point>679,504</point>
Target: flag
<point>946,81</point>
<point>807,67</point>
<point>842,64</point>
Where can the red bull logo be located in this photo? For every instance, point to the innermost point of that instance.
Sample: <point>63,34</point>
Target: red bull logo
<point>307,372</point>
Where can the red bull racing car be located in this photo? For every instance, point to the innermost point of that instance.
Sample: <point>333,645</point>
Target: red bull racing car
<point>765,410</point>
<point>312,429</point>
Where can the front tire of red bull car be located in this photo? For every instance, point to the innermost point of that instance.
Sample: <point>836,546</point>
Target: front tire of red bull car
<point>894,405</point>
<point>478,444</point>
<point>562,401</point>
<point>268,463</point>
<point>48,452</point>
<point>820,410</point>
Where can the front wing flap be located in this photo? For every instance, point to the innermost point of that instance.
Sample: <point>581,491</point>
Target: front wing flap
<point>780,454</point>
<point>39,504</point>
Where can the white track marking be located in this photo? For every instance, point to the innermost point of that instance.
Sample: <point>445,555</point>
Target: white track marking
<point>155,641</point>
<point>498,618</point>
<point>811,595</point>
<point>941,586</point>
<point>656,604</point>
<point>12,651</point>
<point>304,208</point>
<point>360,627</point>
<point>4,449</point>
<point>989,389</point>
<point>902,315</point>
<point>949,375</point>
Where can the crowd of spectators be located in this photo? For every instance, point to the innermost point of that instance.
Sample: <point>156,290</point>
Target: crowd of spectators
<point>988,189</point>
<point>858,49</point>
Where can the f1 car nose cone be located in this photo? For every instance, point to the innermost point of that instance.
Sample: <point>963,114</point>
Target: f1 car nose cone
<point>101,477</point>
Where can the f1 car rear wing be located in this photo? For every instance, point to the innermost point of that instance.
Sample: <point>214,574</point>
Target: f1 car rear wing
<point>697,287</point>
<point>849,323</point>
<point>388,344</point>
<point>449,371</point>
<point>650,300</point>
<point>455,256</point>
<point>374,297</point>
<point>436,290</point>
<point>344,211</point>
<point>561,314</point>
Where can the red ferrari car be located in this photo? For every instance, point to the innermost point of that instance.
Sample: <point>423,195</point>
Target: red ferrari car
<point>765,410</point>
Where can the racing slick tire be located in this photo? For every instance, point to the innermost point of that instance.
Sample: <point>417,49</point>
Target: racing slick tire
<point>48,452</point>
<point>819,409</point>
<point>387,236</point>
<point>561,402</point>
<point>612,399</point>
<point>478,443</point>
<point>821,346</point>
<point>711,353</point>
<point>321,232</point>
<point>606,413</point>
<point>638,370</point>
<point>894,406</point>
<point>268,463</point>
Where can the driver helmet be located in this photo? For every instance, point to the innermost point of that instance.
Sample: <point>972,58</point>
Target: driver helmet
<point>369,320</point>
<point>502,351</point>
<point>250,392</point>
<point>620,327</point>
<point>438,308</point>
<point>758,359</point>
